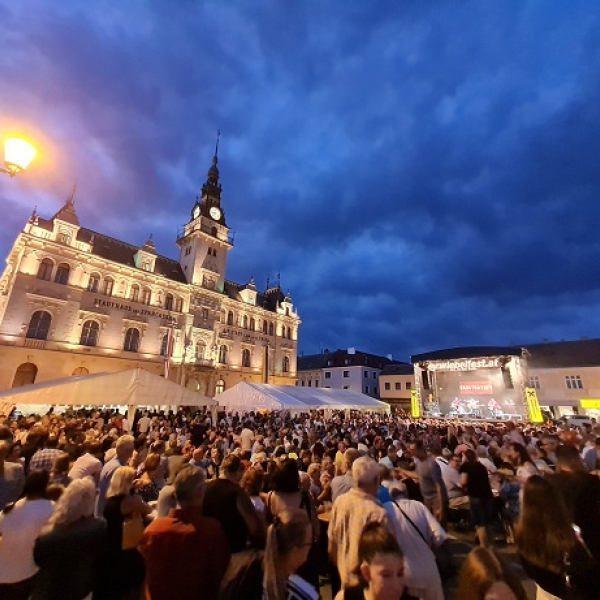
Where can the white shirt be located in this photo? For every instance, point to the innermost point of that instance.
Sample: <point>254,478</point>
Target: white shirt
<point>87,465</point>
<point>144,424</point>
<point>19,529</point>
<point>247,437</point>
<point>451,478</point>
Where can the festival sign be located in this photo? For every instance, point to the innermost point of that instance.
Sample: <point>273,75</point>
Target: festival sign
<point>469,388</point>
<point>415,408</point>
<point>534,406</point>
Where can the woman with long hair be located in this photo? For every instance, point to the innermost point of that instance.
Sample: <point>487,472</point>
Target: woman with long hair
<point>289,540</point>
<point>485,576</point>
<point>381,567</point>
<point>520,459</point>
<point>549,546</point>
<point>70,549</point>
<point>20,524</point>
<point>148,484</point>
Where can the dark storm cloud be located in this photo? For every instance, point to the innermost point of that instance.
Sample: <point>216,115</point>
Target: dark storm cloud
<point>422,175</point>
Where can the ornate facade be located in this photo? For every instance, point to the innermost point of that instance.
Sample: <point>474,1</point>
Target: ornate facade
<point>75,301</point>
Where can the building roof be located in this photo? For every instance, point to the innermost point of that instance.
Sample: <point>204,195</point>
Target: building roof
<point>342,358</point>
<point>468,352</point>
<point>398,369</point>
<point>268,300</point>
<point>579,353</point>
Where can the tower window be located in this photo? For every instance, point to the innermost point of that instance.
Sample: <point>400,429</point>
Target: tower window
<point>169,302</point>
<point>223,350</point>
<point>146,296</point>
<point>108,286</point>
<point>135,293</point>
<point>285,367</point>
<point>245,357</point>
<point>62,274</point>
<point>230,318</point>
<point>94,283</point>
<point>39,325</point>
<point>45,270</point>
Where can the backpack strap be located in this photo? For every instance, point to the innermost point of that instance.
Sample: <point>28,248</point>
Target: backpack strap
<point>412,523</point>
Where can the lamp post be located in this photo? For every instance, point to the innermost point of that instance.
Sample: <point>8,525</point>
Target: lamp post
<point>18,153</point>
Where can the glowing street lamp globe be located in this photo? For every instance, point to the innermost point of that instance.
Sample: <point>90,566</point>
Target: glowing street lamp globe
<point>18,153</point>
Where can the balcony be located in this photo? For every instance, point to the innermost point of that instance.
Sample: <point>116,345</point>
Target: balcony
<point>205,228</point>
<point>34,344</point>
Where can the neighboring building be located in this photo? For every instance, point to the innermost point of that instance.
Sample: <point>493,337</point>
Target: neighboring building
<point>343,370</point>
<point>75,301</point>
<point>491,381</point>
<point>396,382</point>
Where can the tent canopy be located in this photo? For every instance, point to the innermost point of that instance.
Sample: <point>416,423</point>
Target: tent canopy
<point>134,387</point>
<point>259,396</point>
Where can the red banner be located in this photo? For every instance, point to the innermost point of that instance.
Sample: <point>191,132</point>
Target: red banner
<point>481,388</point>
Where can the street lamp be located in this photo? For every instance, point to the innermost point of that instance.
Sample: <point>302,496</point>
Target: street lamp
<point>18,153</point>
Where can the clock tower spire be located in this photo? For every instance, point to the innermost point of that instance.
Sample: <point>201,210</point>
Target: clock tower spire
<point>205,240</point>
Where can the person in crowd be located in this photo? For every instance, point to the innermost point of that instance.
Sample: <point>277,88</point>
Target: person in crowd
<point>162,470</point>
<point>88,464</point>
<point>418,534</point>
<point>344,482</point>
<point>213,468</point>
<point>315,489</point>
<point>287,495</point>
<point>350,513</point>
<point>12,477</point>
<point>140,451</point>
<point>549,547</point>
<point>46,455</point>
<point>71,547</point>
<point>429,475</point>
<point>123,452</point>
<point>520,459</point>
<point>475,480</point>
<point>124,564</point>
<point>484,458</point>
<point>229,504</point>
<point>380,570</point>
<point>550,444</point>
<point>247,437</point>
<point>581,491</point>
<point>252,483</point>
<point>289,540</point>
<point>449,464</point>
<point>186,554</point>
<point>486,576</point>
<point>175,460</point>
<point>20,525</point>
<point>60,471</point>
<point>147,485</point>
<point>166,497</point>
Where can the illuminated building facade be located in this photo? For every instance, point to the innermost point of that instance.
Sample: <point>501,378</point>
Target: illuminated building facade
<point>74,301</point>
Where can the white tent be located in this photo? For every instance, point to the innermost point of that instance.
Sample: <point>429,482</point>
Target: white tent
<point>259,396</point>
<point>135,387</point>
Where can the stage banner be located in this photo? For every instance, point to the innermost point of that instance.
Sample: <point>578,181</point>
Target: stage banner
<point>415,408</point>
<point>535,414</point>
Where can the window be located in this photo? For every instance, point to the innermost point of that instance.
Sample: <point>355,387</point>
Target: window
<point>408,385</point>
<point>375,390</point>
<point>574,382</point>
<point>178,304</point>
<point>39,325</point>
<point>398,385</point>
<point>245,357</point>
<point>205,313</point>
<point>220,387</point>
<point>316,383</point>
<point>374,374</point>
<point>534,382</point>
<point>147,265</point>
<point>80,371</point>
<point>132,340</point>
<point>230,318</point>
<point>309,383</point>
<point>302,383</point>
<point>134,294</point>
<point>45,270</point>
<point>188,250</point>
<point>252,324</point>
<point>289,333</point>
<point>89,333</point>
<point>327,374</point>
<point>108,286</point>
<point>25,375</point>
<point>346,387</point>
<point>200,350</point>
<point>386,385</point>
<point>366,389</point>
<point>169,302</point>
<point>146,296</point>
<point>245,321</point>
<point>93,283</point>
<point>346,374</point>
<point>265,327</point>
<point>164,344</point>
<point>64,237</point>
<point>270,328</point>
<point>286,364</point>
<point>62,274</point>
<point>366,373</point>
<point>223,355</point>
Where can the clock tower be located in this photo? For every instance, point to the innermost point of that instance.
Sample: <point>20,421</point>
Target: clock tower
<point>205,241</point>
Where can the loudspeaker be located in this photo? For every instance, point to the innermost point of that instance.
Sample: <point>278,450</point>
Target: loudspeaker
<point>425,379</point>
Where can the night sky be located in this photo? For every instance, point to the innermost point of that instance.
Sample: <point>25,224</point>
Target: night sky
<point>423,174</point>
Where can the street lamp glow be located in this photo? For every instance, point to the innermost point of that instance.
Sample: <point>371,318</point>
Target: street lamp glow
<point>18,153</point>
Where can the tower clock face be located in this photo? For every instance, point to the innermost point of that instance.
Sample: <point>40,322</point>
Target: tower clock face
<point>196,212</point>
<point>215,213</point>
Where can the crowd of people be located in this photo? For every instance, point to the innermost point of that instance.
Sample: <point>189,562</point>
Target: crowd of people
<point>270,506</point>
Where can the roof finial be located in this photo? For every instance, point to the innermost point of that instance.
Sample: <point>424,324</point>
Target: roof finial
<point>268,282</point>
<point>71,198</point>
<point>217,145</point>
<point>278,280</point>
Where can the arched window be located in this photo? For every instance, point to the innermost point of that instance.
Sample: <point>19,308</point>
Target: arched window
<point>223,350</point>
<point>285,367</point>
<point>169,302</point>
<point>134,294</point>
<point>94,283</point>
<point>252,324</point>
<point>178,304</point>
<point>200,350</point>
<point>230,318</point>
<point>80,371</point>
<point>220,387</point>
<point>146,296</point>
<point>25,375</point>
<point>45,270</point>
<point>109,284</point>
<point>289,333</point>
<point>245,321</point>
<point>265,327</point>
<point>39,325</point>
<point>89,333</point>
<point>132,340</point>
<point>270,328</point>
<point>62,274</point>
<point>245,357</point>
<point>164,344</point>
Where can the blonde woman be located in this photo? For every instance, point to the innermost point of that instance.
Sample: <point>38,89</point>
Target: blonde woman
<point>70,549</point>
<point>126,566</point>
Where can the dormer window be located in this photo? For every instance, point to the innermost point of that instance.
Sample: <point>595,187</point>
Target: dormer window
<point>64,237</point>
<point>147,265</point>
